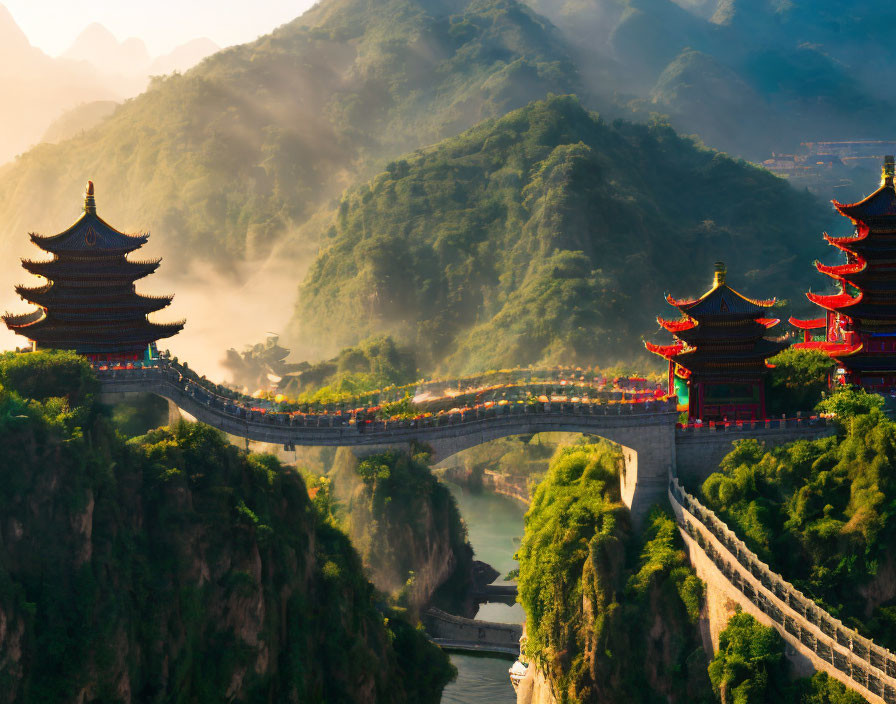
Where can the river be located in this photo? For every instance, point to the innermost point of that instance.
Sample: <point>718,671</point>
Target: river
<point>494,524</point>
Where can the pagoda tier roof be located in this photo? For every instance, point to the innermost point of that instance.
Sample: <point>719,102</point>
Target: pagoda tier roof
<point>674,326</point>
<point>864,362</point>
<point>51,332</point>
<point>66,299</point>
<point>879,205</point>
<point>834,349</point>
<point>93,273</point>
<point>16,320</point>
<point>744,332</point>
<point>812,324</point>
<point>721,299</point>
<point>667,351</point>
<point>846,242</point>
<point>709,357</point>
<point>840,270</point>
<point>90,235</point>
<point>834,302</point>
<point>868,312</point>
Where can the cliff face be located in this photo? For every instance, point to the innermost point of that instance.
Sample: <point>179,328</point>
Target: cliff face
<point>176,568</point>
<point>403,522</point>
<point>611,617</point>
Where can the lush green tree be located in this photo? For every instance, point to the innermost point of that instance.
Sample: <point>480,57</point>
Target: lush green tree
<point>47,374</point>
<point>798,380</point>
<point>749,666</point>
<point>847,403</point>
<point>822,513</point>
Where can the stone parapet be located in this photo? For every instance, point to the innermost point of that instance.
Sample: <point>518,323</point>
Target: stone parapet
<point>816,635</point>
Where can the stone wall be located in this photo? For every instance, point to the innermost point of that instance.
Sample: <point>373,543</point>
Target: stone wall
<point>699,451</point>
<point>445,626</point>
<point>734,575</point>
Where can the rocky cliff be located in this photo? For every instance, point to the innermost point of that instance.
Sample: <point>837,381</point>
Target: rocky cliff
<point>611,617</point>
<point>175,568</point>
<point>404,523</point>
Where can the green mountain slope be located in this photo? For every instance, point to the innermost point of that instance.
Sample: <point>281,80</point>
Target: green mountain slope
<point>548,235</point>
<point>225,159</point>
<point>793,71</point>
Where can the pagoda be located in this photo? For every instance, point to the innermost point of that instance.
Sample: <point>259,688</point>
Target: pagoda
<point>717,365</point>
<point>88,303</point>
<point>858,329</point>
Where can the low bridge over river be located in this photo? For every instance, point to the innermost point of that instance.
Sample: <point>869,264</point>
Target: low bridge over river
<point>652,448</point>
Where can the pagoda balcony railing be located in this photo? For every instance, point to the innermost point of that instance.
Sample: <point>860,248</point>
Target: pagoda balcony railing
<point>797,421</point>
<point>799,619</point>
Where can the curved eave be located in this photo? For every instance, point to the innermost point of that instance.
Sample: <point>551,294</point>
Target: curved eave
<point>123,242</point>
<point>768,323</point>
<point>674,326</point>
<point>859,212</point>
<point>812,324</point>
<point>843,243</point>
<point>665,351</point>
<point>834,349</point>
<point>680,303</point>
<point>835,302</point>
<point>23,320</point>
<point>840,270</point>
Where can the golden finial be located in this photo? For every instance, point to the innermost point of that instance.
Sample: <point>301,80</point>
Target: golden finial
<point>888,172</point>
<point>720,274</point>
<point>89,200</point>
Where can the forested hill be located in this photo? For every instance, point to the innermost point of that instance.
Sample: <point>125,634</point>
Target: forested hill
<point>224,159</point>
<point>550,235</point>
<point>748,76</point>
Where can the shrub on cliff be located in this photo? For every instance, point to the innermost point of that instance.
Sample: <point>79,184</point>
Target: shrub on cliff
<point>822,513</point>
<point>749,668</point>
<point>48,374</point>
<point>610,617</point>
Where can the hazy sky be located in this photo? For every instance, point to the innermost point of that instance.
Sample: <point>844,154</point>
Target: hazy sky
<point>52,25</point>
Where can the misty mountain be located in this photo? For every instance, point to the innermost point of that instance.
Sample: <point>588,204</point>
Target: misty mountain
<point>98,46</point>
<point>549,235</point>
<point>787,72</point>
<point>127,65</point>
<point>37,88</point>
<point>183,57</point>
<point>227,158</point>
<point>77,120</point>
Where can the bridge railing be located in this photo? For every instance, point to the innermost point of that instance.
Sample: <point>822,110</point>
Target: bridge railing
<point>858,657</point>
<point>205,394</point>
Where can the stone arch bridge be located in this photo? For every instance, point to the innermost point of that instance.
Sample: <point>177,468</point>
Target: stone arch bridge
<point>653,449</point>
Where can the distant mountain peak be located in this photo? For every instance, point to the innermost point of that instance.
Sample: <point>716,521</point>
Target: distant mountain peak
<point>11,35</point>
<point>99,47</point>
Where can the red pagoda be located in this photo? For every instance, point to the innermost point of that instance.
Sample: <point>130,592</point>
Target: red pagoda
<point>89,303</point>
<point>717,365</point>
<point>858,329</point>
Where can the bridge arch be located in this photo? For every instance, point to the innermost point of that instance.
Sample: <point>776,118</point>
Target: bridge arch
<point>645,431</point>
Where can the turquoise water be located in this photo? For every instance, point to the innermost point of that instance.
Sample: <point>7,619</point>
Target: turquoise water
<point>494,524</point>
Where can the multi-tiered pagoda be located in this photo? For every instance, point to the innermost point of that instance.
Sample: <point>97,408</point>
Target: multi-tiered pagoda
<point>89,303</point>
<point>858,329</point>
<point>717,365</point>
